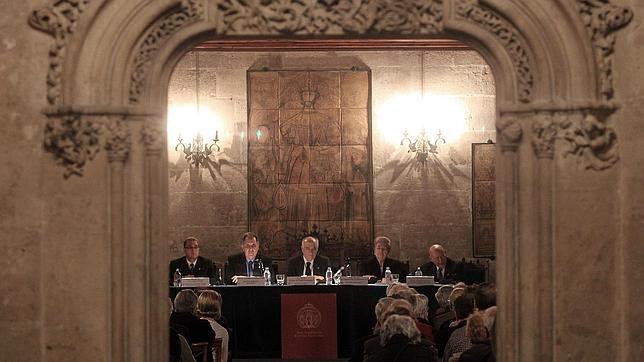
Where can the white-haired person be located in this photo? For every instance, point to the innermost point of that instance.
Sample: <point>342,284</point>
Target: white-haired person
<point>401,341</point>
<point>480,337</point>
<point>308,262</point>
<point>376,266</point>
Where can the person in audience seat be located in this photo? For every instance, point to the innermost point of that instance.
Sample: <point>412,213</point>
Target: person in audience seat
<point>192,264</point>
<point>308,262</point>
<point>479,334</point>
<point>209,307</point>
<point>458,340</point>
<point>442,268</point>
<point>250,262</point>
<point>400,340</point>
<point>375,266</point>
<point>183,318</point>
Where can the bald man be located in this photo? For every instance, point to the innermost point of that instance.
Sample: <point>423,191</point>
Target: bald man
<point>443,269</point>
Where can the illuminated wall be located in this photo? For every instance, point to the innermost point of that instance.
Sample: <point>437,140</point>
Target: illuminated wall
<point>415,203</point>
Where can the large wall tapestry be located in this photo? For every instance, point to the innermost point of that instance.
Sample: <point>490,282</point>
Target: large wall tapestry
<point>309,161</point>
<point>483,199</point>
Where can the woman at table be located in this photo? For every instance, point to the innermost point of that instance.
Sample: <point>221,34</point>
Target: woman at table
<point>376,266</point>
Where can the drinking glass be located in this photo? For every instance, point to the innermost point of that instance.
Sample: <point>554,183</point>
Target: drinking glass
<point>395,277</point>
<point>280,279</point>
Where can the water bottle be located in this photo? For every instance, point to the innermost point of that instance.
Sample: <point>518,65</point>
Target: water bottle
<point>177,278</point>
<point>347,269</point>
<point>388,278</point>
<point>419,273</point>
<point>267,276</point>
<point>329,276</point>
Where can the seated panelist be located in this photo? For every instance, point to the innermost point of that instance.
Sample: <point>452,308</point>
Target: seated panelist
<point>249,262</point>
<point>192,264</point>
<point>441,267</point>
<point>308,262</point>
<point>375,266</point>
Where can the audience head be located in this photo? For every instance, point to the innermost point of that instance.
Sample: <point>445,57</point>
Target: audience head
<point>438,255</point>
<point>456,292</point>
<point>250,245</point>
<point>476,329</point>
<point>463,306</point>
<point>171,305</point>
<point>395,288</point>
<point>209,304</point>
<point>421,306</point>
<point>191,248</point>
<point>382,247</point>
<point>398,307</point>
<point>485,296</point>
<point>442,296</point>
<point>185,301</point>
<point>310,247</point>
<point>380,309</point>
<point>399,324</point>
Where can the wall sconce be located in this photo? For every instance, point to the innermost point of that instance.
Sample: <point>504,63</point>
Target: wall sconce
<point>197,152</point>
<point>422,146</point>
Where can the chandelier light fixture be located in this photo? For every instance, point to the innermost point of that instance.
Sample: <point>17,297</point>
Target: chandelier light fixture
<point>197,153</point>
<point>423,145</point>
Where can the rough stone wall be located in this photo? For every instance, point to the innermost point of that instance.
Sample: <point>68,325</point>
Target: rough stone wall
<point>414,205</point>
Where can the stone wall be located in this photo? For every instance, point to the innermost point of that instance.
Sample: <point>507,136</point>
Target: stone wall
<point>415,204</point>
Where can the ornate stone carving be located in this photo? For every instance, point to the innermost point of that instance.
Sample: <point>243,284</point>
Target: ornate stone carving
<point>59,20</point>
<point>509,37</point>
<point>591,140</point>
<point>73,141</point>
<point>152,139</point>
<point>191,10</point>
<point>330,17</point>
<point>544,136</point>
<point>118,142</point>
<point>602,19</point>
<point>509,133</point>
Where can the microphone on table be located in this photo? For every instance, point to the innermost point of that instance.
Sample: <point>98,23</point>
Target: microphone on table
<point>337,274</point>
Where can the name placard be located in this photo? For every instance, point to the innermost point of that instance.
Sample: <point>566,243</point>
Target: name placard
<point>417,281</point>
<point>250,281</point>
<point>191,282</point>
<point>304,280</point>
<point>354,280</point>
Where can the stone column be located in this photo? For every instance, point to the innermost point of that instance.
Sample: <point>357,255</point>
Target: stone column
<point>118,147</point>
<point>544,132</point>
<point>509,133</point>
<point>156,276</point>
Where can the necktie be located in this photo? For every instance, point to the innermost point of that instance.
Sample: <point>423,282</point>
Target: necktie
<point>307,270</point>
<point>440,274</point>
<point>192,269</point>
<point>249,269</point>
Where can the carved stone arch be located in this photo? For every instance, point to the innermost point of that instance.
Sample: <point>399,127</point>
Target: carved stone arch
<point>119,59</point>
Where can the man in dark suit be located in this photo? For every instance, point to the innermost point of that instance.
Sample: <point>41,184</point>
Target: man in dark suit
<point>192,264</point>
<point>376,266</point>
<point>249,262</point>
<point>308,262</point>
<point>443,269</point>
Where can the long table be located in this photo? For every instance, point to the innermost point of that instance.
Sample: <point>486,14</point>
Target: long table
<point>254,315</point>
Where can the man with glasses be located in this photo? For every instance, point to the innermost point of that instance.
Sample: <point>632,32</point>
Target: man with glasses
<point>249,262</point>
<point>192,264</point>
<point>443,269</point>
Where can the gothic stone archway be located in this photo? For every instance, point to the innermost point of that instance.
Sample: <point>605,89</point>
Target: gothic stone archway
<point>107,86</point>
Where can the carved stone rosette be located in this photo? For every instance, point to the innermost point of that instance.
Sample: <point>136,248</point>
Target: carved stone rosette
<point>592,141</point>
<point>118,140</point>
<point>58,20</point>
<point>509,36</point>
<point>544,134</point>
<point>190,11</point>
<point>602,19</point>
<point>73,141</point>
<point>509,133</point>
<point>330,17</point>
